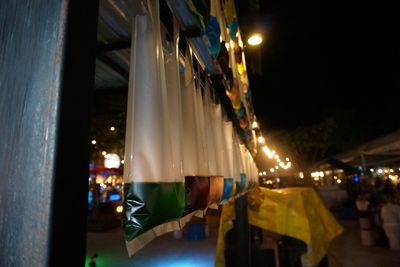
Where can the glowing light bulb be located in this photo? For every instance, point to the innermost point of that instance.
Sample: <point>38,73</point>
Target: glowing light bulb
<point>255,39</point>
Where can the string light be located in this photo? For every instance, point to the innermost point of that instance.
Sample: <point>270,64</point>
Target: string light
<point>267,151</point>
<point>254,125</point>
<point>270,153</point>
<point>285,166</point>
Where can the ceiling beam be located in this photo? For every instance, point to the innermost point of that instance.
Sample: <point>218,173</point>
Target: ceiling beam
<point>113,65</point>
<point>120,45</point>
<point>110,90</point>
<point>382,161</point>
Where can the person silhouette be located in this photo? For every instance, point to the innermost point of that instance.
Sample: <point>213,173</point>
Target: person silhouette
<point>390,215</point>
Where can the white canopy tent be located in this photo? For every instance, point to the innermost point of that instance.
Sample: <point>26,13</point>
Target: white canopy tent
<point>384,150</point>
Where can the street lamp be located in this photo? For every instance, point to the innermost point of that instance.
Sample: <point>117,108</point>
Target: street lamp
<point>255,39</point>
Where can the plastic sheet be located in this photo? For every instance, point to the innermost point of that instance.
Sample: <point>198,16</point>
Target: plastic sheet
<point>148,145</point>
<point>150,204</point>
<point>227,129</point>
<point>190,157</point>
<point>237,159</point>
<point>213,159</point>
<point>174,96</point>
<point>154,190</point>
<point>202,148</point>
<point>200,11</point>
<point>213,32</point>
<point>294,212</point>
<point>219,140</point>
<point>228,189</point>
<point>194,126</point>
<point>172,132</point>
<point>216,188</point>
<point>197,190</point>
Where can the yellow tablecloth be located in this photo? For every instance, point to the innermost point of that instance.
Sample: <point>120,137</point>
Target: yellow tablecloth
<point>294,212</point>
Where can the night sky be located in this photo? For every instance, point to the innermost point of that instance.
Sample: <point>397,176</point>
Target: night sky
<point>320,60</point>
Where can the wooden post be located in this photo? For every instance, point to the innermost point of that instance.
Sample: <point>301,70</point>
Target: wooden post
<point>47,51</point>
<point>242,232</point>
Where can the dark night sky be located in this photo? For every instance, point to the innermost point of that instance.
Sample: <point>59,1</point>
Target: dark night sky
<point>332,58</point>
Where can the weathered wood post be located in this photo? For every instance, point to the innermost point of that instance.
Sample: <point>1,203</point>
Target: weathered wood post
<point>47,55</point>
<point>242,228</point>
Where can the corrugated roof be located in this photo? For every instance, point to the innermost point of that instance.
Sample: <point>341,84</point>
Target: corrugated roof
<point>114,35</point>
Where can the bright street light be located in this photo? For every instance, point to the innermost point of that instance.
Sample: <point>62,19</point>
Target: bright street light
<point>255,39</point>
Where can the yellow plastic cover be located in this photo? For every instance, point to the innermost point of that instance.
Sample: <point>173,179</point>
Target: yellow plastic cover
<point>294,212</point>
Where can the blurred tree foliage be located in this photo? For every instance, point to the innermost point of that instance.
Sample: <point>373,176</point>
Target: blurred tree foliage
<point>338,130</point>
<point>307,144</point>
<point>107,140</point>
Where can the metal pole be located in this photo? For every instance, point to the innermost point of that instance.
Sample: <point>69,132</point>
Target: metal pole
<point>364,165</point>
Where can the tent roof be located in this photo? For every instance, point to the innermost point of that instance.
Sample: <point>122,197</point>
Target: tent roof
<point>382,150</point>
<point>330,163</point>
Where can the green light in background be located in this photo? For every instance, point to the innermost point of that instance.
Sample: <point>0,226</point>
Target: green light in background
<point>100,261</point>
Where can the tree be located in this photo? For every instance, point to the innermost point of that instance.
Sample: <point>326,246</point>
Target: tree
<point>306,145</point>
